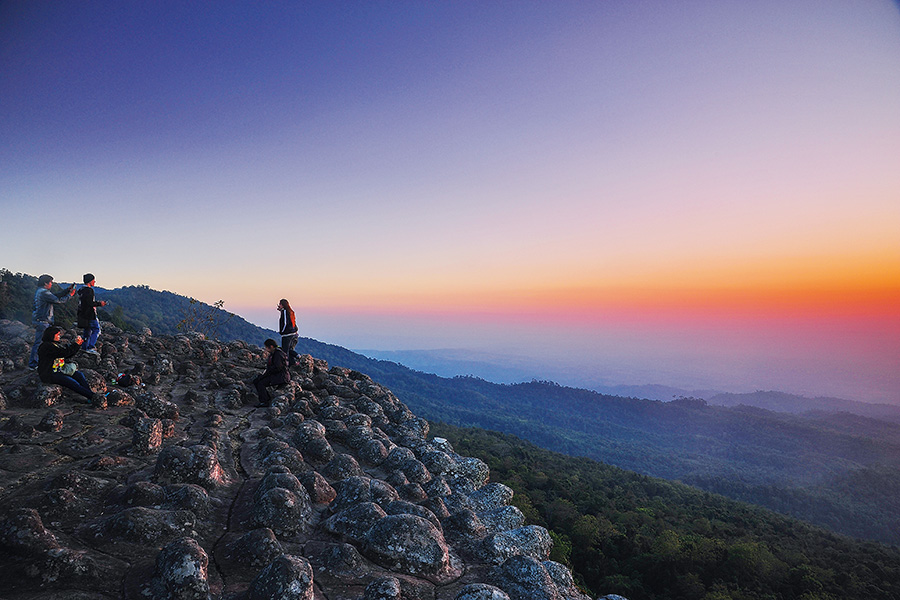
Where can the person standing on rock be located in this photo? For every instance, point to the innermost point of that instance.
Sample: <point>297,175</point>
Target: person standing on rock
<point>42,317</point>
<point>287,327</point>
<point>52,357</point>
<point>276,372</point>
<point>87,314</point>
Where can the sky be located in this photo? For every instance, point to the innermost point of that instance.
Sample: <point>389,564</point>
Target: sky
<point>696,193</point>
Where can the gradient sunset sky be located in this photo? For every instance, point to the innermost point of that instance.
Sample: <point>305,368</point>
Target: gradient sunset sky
<point>697,193</point>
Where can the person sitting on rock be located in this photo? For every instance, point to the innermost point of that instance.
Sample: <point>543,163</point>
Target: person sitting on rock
<point>42,317</point>
<point>276,372</point>
<point>52,357</point>
<point>87,314</point>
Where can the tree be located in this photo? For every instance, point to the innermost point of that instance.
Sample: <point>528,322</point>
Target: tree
<point>203,318</point>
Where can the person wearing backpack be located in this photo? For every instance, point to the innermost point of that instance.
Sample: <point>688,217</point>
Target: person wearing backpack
<point>87,314</point>
<point>276,372</point>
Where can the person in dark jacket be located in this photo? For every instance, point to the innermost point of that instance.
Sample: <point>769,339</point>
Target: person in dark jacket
<point>276,372</point>
<point>287,327</point>
<point>42,316</point>
<point>52,356</point>
<point>87,314</point>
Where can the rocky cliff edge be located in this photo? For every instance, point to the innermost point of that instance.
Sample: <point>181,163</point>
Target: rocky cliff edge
<point>178,486</point>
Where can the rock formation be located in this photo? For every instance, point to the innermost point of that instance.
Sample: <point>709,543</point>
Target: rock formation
<point>178,486</point>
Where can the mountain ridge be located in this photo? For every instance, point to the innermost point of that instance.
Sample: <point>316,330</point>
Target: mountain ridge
<point>797,464</point>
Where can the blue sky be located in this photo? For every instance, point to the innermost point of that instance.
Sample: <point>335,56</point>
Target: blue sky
<point>509,176</point>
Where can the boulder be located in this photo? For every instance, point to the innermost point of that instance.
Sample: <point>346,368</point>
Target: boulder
<point>181,572</point>
<point>408,544</point>
<point>525,578</point>
<point>532,541</point>
<point>285,578</point>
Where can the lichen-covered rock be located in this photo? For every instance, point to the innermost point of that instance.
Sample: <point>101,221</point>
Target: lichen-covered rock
<point>373,452</point>
<point>473,469</point>
<point>565,583</point>
<point>532,540</point>
<point>283,511</point>
<point>155,406</point>
<point>181,572</point>
<point>437,461</point>
<point>355,522</point>
<point>354,490</point>
<point>148,436</point>
<point>47,395</point>
<point>340,467</point>
<point>286,578</point>
<point>415,471</point>
<point>95,381</point>
<point>317,449</point>
<point>287,456</point>
<point>24,532</point>
<point>383,588</point>
<point>318,488</point>
<point>143,525</point>
<point>197,464</point>
<point>119,397</point>
<point>402,507</point>
<point>343,560</point>
<point>502,519</point>
<point>525,578</point>
<point>279,477</point>
<point>408,544</point>
<point>490,496</point>
<point>480,591</point>
<point>52,420</point>
<point>256,548</point>
<point>188,496</point>
<point>464,525</point>
<point>143,493</point>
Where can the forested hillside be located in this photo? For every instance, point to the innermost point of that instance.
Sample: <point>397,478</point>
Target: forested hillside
<point>840,471</point>
<point>642,537</point>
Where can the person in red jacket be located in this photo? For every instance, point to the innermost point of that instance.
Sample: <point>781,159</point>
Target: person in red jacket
<point>276,372</point>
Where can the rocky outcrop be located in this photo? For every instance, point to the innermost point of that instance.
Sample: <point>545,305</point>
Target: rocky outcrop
<point>179,486</point>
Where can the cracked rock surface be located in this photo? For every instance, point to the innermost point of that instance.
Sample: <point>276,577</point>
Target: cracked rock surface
<point>179,486</point>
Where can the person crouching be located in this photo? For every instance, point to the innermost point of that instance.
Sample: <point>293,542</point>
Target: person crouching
<point>52,355</point>
<point>276,372</point>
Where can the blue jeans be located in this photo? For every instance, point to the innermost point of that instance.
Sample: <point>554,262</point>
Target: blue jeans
<point>39,328</point>
<point>76,383</point>
<point>90,335</point>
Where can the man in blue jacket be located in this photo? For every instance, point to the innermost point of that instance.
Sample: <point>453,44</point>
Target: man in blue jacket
<point>42,317</point>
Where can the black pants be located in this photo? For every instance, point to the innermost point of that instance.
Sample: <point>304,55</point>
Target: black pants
<point>288,342</point>
<point>263,381</point>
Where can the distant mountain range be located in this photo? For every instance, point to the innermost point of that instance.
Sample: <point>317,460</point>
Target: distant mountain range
<point>512,369</point>
<point>813,460</point>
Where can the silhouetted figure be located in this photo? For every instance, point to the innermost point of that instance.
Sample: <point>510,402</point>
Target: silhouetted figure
<point>87,314</point>
<point>276,372</point>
